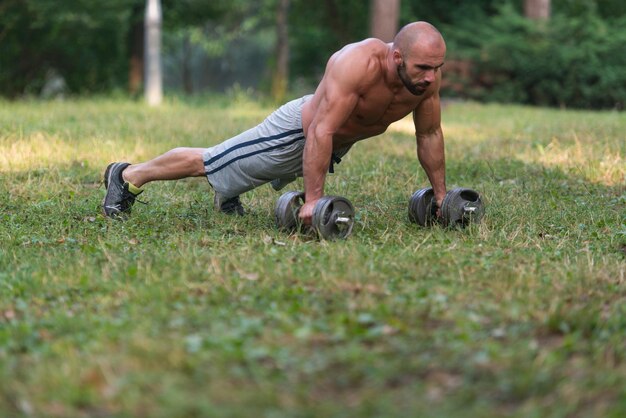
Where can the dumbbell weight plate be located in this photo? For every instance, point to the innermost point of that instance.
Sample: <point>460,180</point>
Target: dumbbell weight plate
<point>287,208</point>
<point>461,207</point>
<point>333,217</point>
<point>421,208</point>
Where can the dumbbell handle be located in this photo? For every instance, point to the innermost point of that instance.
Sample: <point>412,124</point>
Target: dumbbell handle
<point>338,220</point>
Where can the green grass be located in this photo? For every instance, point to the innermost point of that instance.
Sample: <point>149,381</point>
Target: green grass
<point>184,312</point>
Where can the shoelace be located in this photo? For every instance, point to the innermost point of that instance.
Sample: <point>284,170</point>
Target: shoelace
<point>134,199</point>
<point>128,196</point>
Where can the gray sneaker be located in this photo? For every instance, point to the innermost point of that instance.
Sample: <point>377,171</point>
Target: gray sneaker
<point>230,206</point>
<point>118,200</point>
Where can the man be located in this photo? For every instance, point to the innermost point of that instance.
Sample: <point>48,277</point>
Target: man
<point>366,86</point>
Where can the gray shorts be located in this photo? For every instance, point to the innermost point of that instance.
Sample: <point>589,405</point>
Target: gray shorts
<point>270,152</point>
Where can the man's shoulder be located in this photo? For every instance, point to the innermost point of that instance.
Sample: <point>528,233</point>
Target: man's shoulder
<point>373,43</point>
<point>367,48</point>
<point>364,56</point>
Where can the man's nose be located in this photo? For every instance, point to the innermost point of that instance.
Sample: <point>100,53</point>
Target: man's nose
<point>430,76</point>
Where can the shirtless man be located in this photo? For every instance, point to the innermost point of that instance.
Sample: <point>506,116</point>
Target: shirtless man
<point>366,86</point>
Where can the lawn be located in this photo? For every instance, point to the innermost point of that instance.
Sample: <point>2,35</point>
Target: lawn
<point>185,312</point>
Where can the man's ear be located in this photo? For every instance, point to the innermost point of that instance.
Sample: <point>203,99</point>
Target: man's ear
<point>397,57</point>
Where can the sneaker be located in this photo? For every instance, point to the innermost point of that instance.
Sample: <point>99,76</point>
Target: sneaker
<point>119,200</point>
<point>230,206</point>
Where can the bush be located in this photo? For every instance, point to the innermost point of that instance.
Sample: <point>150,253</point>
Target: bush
<point>82,42</point>
<point>568,61</point>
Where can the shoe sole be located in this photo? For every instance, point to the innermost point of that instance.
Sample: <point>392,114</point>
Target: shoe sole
<point>107,178</point>
<point>107,175</point>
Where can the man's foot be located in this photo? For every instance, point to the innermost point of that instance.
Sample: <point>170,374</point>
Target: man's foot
<point>230,206</point>
<point>119,200</point>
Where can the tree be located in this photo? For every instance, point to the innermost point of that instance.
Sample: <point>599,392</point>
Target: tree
<point>135,47</point>
<point>154,78</point>
<point>384,19</point>
<point>281,72</point>
<point>82,41</point>
<point>537,9</point>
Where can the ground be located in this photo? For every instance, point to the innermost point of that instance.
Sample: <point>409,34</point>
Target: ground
<point>182,311</point>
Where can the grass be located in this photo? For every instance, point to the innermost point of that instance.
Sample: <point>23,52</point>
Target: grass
<point>184,312</point>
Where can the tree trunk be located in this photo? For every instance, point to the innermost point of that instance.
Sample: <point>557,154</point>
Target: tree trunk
<point>384,19</point>
<point>336,23</point>
<point>537,9</point>
<point>135,43</point>
<point>186,64</point>
<point>154,78</point>
<point>281,73</point>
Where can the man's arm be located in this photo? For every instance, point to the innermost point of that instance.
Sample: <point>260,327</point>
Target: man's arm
<point>339,94</point>
<point>430,145</point>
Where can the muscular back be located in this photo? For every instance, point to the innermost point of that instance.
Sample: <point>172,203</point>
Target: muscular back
<point>356,97</point>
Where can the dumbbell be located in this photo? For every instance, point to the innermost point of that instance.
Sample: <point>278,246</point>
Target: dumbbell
<point>460,207</point>
<point>333,216</point>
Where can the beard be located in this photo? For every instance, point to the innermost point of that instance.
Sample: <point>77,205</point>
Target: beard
<point>415,89</point>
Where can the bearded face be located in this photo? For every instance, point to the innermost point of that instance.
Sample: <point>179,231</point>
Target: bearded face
<point>417,89</point>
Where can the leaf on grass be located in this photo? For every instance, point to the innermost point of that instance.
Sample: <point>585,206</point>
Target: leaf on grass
<point>193,343</point>
<point>381,330</point>
<point>498,333</point>
<point>269,240</point>
<point>362,288</point>
<point>9,314</point>
<point>45,335</point>
<point>250,276</point>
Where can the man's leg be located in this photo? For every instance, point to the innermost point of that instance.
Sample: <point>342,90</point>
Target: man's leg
<point>123,181</point>
<point>176,164</point>
<point>271,150</point>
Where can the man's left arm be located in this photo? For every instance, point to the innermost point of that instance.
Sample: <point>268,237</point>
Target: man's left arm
<point>430,144</point>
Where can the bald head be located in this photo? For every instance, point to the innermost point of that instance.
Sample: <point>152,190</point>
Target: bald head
<point>417,53</point>
<point>418,36</point>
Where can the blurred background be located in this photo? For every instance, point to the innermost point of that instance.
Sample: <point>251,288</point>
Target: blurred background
<point>561,53</point>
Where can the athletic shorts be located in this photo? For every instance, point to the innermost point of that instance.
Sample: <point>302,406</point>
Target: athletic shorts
<point>270,152</point>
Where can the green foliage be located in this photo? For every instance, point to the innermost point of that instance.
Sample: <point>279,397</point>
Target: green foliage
<point>85,42</point>
<point>184,312</point>
<point>568,61</point>
<point>449,12</point>
<point>228,51</point>
<point>575,60</point>
<point>318,29</point>
<point>81,40</point>
<point>606,9</point>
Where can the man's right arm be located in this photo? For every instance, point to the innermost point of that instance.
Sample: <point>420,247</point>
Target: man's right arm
<point>339,94</point>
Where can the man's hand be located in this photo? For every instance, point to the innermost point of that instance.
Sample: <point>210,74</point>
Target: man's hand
<point>439,200</point>
<point>306,212</point>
